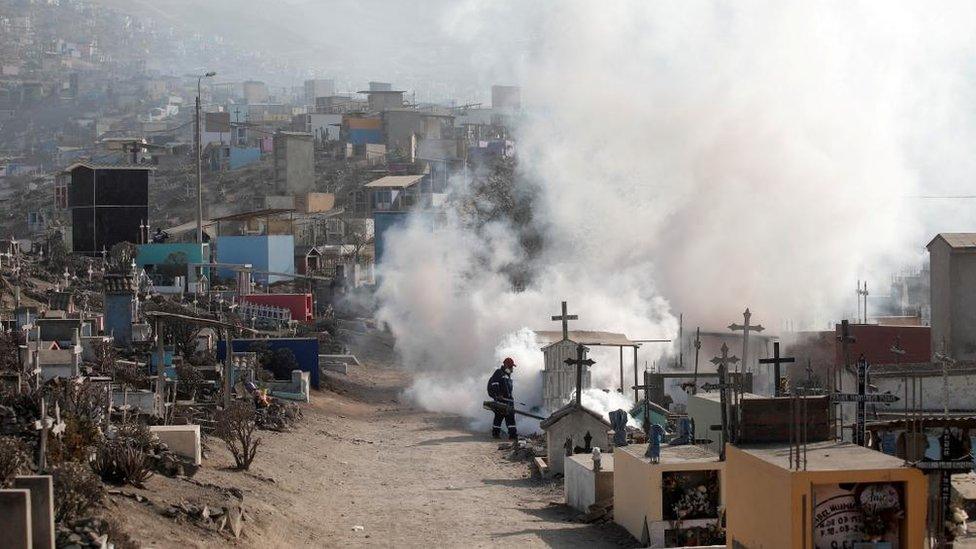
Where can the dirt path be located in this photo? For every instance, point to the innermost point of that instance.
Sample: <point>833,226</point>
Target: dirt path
<point>363,458</point>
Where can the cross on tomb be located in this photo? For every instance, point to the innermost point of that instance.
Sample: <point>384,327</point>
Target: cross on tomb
<point>697,345</point>
<point>579,362</point>
<point>565,318</point>
<point>745,328</point>
<point>861,398</point>
<point>777,361</point>
<point>723,387</point>
<point>45,425</point>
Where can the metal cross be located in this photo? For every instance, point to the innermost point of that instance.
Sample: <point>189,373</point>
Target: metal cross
<point>697,344</point>
<point>565,318</point>
<point>723,386</point>
<point>861,398</point>
<point>579,362</point>
<point>777,361</point>
<point>745,328</point>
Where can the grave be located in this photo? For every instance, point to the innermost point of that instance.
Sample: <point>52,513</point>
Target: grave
<point>184,440</point>
<point>573,426</point>
<point>585,485</point>
<point>121,307</point>
<point>822,494</point>
<point>15,519</point>
<point>41,489</point>
<point>59,362</point>
<point>584,429</point>
<point>297,388</point>
<point>143,401</point>
<point>672,501</point>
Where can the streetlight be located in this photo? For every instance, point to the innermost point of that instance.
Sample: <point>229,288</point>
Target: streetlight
<point>196,136</point>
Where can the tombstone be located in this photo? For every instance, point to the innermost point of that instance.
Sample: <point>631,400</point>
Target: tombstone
<point>586,482</point>
<point>618,419</point>
<point>119,307</point>
<point>41,489</point>
<point>15,519</point>
<point>184,440</point>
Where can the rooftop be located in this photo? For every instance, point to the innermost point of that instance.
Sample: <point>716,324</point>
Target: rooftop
<point>568,410</point>
<point>827,456</point>
<point>586,338</point>
<point>673,454</point>
<point>395,181</point>
<point>956,241</point>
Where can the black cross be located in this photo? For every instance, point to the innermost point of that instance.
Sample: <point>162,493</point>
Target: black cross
<point>697,344</point>
<point>776,361</point>
<point>579,362</point>
<point>723,386</point>
<point>565,318</point>
<point>862,398</point>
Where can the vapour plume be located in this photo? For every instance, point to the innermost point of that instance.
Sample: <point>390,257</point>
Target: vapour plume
<point>691,156</point>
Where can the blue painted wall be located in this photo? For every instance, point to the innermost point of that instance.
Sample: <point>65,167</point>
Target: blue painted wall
<point>118,318</point>
<point>360,137</point>
<point>264,253</point>
<point>383,222</point>
<point>306,351</point>
<point>240,156</point>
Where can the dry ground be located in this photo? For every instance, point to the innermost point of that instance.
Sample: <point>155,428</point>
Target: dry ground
<point>362,457</point>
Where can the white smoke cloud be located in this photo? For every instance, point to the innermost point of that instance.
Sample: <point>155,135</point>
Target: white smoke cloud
<point>691,156</point>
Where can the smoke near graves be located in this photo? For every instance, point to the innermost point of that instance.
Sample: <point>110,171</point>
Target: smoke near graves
<point>692,157</point>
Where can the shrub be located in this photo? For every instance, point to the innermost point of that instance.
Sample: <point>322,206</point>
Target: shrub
<point>235,426</point>
<point>76,490</point>
<point>121,462</point>
<point>14,458</point>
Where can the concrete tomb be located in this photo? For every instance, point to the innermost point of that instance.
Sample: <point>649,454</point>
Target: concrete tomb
<point>142,401</point>
<point>585,485</point>
<point>297,388</point>
<point>582,427</point>
<point>673,501</point>
<point>184,440</point>
<point>15,519</point>
<point>41,489</point>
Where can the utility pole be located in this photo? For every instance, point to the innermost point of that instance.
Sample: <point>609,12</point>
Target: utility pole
<point>196,139</point>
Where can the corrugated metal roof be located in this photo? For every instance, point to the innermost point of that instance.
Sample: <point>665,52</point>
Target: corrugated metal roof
<point>397,181</point>
<point>957,240</point>
<point>587,338</point>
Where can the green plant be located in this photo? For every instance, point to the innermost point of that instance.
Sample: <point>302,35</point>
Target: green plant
<point>121,462</point>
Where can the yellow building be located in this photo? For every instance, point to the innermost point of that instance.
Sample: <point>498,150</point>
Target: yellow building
<point>680,497</point>
<point>846,494</point>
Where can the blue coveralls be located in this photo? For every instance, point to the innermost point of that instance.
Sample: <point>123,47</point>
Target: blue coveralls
<point>500,389</point>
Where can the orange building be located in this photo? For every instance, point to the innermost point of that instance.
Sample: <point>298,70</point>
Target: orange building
<point>846,494</point>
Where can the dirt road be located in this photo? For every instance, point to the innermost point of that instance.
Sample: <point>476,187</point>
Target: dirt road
<point>362,458</point>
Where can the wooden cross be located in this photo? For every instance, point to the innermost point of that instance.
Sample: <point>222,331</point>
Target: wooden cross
<point>723,386</point>
<point>579,362</point>
<point>861,398</point>
<point>745,328</point>
<point>565,318</point>
<point>776,361</point>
